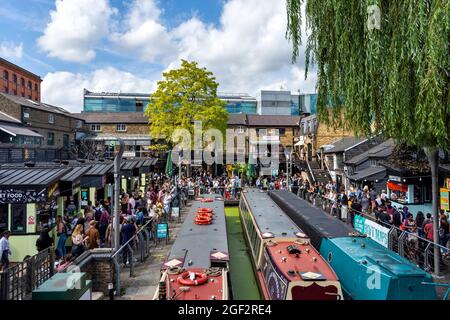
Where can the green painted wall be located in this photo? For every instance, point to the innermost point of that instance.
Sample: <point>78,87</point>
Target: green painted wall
<point>22,246</point>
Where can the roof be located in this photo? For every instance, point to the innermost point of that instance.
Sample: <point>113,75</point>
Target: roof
<point>30,176</point>
<point>12,65</point>
<point>273,121</point>
<point>445,167</point>
<point>344,144</point>
<point>75,173</point>
<point>237,119</point>
<point>195,242</point>
<point>268,216</point>
<point>314,221</point>
<point>18,131</point>
<point>7,118</point>
<point>114,117</point>
<point>39,105</point>
<point>380,151</point>
<point>368,172</point>
<point>99,169</point>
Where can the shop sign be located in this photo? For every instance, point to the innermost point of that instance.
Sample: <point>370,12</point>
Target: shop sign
<point>372,229</point>
<point>395,178</point>
<point>447,183</point>
<point>445,199</point>
<point>31,220</point>
<point>16,196</point>
<point>53,191</point>
<point>162,230</point>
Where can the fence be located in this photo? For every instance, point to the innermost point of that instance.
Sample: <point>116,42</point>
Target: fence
<point>416,249</point>
<point>18,281</point>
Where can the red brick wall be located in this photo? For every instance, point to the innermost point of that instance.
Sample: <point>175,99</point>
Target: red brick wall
<point>16,88</point>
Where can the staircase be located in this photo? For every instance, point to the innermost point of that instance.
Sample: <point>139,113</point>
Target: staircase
<point>318,174</point>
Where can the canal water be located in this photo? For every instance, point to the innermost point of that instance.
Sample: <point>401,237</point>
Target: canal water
<point>243,280</point>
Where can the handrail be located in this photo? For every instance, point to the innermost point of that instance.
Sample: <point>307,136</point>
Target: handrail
<point>310,170</point>
<point>132,238</point>
<point>360,213</point>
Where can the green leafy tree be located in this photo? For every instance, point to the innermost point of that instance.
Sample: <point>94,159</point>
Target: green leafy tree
<point>387,62</point>
<point>185,95</point>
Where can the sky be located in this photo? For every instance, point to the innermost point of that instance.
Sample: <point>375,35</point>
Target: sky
<point>126,45</point>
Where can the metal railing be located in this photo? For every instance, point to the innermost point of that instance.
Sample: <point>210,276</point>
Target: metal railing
<point>416,249</point>
<point>18,281</point>
<point>136,248</point>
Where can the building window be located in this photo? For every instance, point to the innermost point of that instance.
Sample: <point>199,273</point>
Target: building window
<point>79,124</point>
<point>5,90</point>
<point>240,129</point>
<point>51,118</point>
<point>50,138</point>
<point>6,75</point>
<point>26,113</point>
<point>18,217</point>
<point>35,87</point>
<point>29,85</point>
<point>282,131</point>
<point>96,127</point>
<point>22,81</point>
<point>15,78</point>
<point>121,127</point>
<point>66,140</point>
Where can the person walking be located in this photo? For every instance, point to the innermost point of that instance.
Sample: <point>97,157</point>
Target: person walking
<point>44,241</point>
<point>92,236</point>
<point>5,250</point>
<point>78,241</point>
<point>62,234</point>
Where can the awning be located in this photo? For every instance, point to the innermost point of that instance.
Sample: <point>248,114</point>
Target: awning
<point>397,186</point>
<point>18,131</point>
<point>367,173</point>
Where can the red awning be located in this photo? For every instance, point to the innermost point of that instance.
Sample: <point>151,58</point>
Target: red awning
<point>397,186</point>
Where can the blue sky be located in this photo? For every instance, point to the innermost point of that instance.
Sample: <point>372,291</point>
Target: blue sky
<point>111,45</point>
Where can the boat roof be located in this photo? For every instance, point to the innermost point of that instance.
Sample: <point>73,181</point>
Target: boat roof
<point>268,215</point>
<point>316,223</point>
<point>371,253</point>
<point>308,266</point>
<point>200,244</point>
<point>202,292</point>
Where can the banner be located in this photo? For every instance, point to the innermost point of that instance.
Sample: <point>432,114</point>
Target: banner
<point>445,199</point>
<point>372,229</point>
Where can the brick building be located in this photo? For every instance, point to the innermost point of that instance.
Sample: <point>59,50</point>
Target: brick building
<point>57,127</point>
<point>19,82</point>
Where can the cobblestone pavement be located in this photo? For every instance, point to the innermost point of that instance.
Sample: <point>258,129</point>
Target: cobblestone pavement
<point>146,275</point>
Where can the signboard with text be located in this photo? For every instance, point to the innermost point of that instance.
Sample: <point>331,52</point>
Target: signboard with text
<point>372,229</point>
<point>445,205</point>
<point>162,231</point>
<point>17,196</point>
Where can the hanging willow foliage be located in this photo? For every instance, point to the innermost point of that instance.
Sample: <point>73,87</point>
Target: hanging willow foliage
<point>393,79</point>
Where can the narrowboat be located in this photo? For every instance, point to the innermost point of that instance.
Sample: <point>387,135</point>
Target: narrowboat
<point>197,266</point>
<point>366,269</point>
<point>287,265</point>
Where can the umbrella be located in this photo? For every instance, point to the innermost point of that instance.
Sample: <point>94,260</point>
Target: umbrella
<point>169,165</point>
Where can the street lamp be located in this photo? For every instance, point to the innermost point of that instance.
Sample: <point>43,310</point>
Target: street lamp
<point>288,154</point>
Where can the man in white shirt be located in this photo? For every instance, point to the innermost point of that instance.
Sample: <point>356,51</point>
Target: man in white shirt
<point>5,251</point>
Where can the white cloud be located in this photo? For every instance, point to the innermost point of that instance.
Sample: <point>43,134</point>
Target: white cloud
<point>76,26</point>
<point>65,89</point>
<point>247,51</point>
<point>11,51</point>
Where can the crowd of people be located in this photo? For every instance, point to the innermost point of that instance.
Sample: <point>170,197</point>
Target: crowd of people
<point>367,201</point>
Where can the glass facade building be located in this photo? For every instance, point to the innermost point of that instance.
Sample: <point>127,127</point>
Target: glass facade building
<point>235,103</point>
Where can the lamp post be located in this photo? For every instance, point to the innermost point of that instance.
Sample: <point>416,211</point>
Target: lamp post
<point>288,154</point>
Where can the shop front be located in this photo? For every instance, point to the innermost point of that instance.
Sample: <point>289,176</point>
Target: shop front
<point>444,188</point>
<point>28,202</point>
<point>413,192</point>
<point>96,184</point>
<point>71,190</point>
